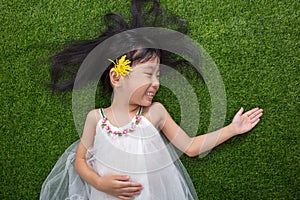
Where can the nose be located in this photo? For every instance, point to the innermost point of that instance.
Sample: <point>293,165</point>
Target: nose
<point>155,82</point>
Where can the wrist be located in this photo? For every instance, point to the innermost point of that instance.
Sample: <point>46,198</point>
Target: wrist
<point>231,130</point>
<point>99,183</point>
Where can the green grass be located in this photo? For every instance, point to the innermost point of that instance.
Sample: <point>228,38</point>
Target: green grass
<point>255,45</point>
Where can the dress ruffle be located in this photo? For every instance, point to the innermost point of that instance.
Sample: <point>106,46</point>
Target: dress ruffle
<point>63,183</point>
<point>145,155</point>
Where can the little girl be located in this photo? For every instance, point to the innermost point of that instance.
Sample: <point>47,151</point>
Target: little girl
<point>124,151</point>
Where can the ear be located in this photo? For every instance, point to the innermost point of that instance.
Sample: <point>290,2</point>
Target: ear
<point>114,79</point>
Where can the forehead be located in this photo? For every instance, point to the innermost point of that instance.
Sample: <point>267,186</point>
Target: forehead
<point>153,64</point>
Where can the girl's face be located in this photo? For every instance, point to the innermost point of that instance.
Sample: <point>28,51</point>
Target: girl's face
<point>142,82</point>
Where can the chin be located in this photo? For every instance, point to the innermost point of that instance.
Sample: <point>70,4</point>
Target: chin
<point>143,102</point>
<point>146,103</point>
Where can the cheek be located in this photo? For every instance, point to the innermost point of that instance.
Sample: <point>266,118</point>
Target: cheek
<point>137,83</point>
<point>138,92</point>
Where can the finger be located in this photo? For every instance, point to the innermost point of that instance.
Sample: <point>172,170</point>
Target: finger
<point>259,111</point>
<point>240,112</point>
<point>131,189</point>
<point>131,194</point>
<point>250,112</point>
<point>257,116</point>
<point>255,123</point>
<point>130,184</point>
<point>121,177</point>
<point>125,198</point>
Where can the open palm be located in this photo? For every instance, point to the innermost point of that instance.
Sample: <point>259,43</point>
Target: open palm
<point>244,122</point>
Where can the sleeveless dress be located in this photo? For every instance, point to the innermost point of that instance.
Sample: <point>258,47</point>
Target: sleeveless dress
<point>138,150</point>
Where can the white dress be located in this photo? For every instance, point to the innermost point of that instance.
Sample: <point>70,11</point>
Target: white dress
<point>137,149</point>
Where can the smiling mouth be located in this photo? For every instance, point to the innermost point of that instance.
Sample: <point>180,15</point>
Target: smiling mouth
<point>150,95</point>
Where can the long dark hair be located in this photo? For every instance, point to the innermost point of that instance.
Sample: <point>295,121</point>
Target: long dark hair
<point>67,62</point>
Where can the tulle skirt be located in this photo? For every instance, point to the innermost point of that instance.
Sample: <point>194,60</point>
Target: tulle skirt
<point>63,183</point>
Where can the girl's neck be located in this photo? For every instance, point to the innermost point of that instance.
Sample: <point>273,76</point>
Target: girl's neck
<point>123,108</point>
<point>120,113</point>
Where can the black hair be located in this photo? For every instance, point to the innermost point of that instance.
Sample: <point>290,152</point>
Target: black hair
<point>144,13</point>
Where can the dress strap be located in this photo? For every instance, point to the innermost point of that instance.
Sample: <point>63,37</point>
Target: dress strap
<point>139,112</point>
<point>102,113</point>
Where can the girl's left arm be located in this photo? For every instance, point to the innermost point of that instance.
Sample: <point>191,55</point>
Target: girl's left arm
<point>192,146</point>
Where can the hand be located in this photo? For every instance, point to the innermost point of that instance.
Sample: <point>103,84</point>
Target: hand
<point>243,123</point>
<point>119,186</point>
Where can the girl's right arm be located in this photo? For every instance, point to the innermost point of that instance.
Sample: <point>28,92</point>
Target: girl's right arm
<point>115,185</point>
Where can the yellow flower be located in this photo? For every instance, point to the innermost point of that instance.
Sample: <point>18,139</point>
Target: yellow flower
<point>122,66</point>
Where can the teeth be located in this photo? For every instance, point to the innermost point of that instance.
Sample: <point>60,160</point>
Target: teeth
<point>150,94</point>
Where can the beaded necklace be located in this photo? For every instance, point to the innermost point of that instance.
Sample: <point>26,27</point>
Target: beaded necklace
<point>133,125</point>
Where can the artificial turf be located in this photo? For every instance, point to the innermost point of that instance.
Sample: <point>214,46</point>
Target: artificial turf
<point>255,45</point>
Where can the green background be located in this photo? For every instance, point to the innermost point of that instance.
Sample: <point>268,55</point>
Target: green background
<point>255,45</point>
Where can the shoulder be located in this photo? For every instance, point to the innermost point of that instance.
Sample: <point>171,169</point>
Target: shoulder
<point>90,125</point>
<point>157,107</point>
<point>155,113</point>
<point>93,116</point>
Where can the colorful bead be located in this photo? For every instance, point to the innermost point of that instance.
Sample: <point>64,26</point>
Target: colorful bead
<point>133,126</point>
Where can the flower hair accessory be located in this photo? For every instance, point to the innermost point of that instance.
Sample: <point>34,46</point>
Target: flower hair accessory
<point>122,66</point>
